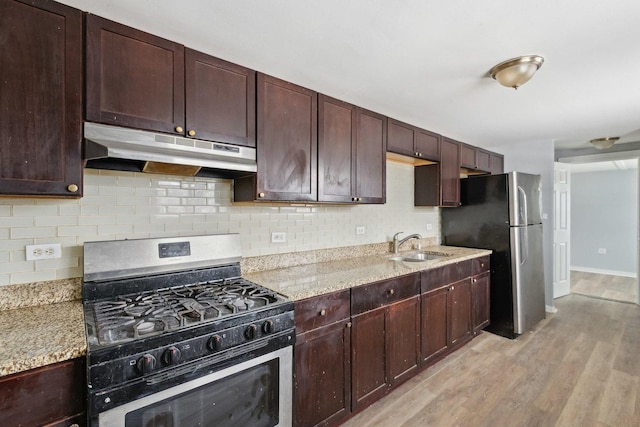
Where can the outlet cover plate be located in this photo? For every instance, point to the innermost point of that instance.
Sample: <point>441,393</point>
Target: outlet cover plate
<point>48,251</point>
<point>278,237</point>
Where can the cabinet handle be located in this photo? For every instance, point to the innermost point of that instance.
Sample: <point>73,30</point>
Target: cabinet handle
<point>192,132</point>
<point>349,324</point>
<point>353,199</point>
<point>482,264</point>
<point>323,312</point>
<point>72,188</point>
<point>391,292</point>
<point>179,129</point>
<point>261,195</point>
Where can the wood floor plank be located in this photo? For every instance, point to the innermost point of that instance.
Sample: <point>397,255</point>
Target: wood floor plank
<point>617,407</point>
<point>579,367</point>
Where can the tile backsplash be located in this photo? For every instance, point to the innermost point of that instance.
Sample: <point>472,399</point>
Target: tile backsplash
<point>119,205</point>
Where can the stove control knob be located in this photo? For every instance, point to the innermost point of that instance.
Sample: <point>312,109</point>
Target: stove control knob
<point>251,332</point>
<point>214,343</point>
<point>171,356</point>
<point>268,327</point>
<point>146,364</point>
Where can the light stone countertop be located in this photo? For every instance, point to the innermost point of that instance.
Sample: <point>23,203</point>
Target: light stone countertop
<point>310,280</point>
<point>32,337</point>
<point>39,335</point>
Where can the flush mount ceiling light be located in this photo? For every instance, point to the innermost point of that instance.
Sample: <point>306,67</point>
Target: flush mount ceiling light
<point>603,143</point>
<point>517,71</point>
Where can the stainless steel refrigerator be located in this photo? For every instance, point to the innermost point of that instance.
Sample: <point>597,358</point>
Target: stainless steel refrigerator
<point>503,213</point>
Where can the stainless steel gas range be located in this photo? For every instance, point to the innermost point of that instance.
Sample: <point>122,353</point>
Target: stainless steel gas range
<point>176,337</point>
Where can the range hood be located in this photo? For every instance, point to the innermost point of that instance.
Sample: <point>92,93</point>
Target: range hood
<point>117,148</point>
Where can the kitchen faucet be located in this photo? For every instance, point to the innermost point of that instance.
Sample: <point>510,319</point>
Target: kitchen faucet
<point>397,243</point>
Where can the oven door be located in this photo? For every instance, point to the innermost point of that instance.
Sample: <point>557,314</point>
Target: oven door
<point>257,392</point>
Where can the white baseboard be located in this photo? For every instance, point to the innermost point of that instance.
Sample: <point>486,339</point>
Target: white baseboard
<point>550,309</point>
<point>609,272</point>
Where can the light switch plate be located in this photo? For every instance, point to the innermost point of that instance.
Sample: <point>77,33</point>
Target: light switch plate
<point>360,229</point>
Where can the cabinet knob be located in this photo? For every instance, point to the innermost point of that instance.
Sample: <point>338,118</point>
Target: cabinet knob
<point>482,264</point>
<point>323,312</point>
<point>261,195</point>
<point>192,132</point>
<point>349,324</point>
<point>391,292</point>
<point>419,154</point>
<point>475,280</point>
<point>72,188</point>
<point>179,129</point>
<point>452,288</point>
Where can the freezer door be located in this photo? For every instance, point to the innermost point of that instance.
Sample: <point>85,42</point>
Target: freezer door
<point>525,199</point>
<point>527,277</point>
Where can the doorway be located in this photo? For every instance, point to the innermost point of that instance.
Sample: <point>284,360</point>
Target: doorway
<point>602,213</point>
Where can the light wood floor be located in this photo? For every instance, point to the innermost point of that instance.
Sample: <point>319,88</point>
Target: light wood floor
<point>579,367</point>
<point>617,288</point>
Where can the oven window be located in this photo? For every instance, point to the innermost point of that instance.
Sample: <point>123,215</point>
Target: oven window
<point>248,398</point>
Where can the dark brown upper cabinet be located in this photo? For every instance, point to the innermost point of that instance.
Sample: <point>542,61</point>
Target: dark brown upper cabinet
<point>40,99</point>
<point>336,150</point>
<point>220,100</point>
<point>496,163</point>
<point>351,153</point>
<point>409,140</point>
<point>439,184</point>
<point>133,78</point>
<point>138,80</point>
<point>371,142</point>
<point>475,159</point>
<point>287,144</point>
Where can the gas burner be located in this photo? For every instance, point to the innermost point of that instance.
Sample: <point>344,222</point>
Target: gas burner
<point>153,312</point>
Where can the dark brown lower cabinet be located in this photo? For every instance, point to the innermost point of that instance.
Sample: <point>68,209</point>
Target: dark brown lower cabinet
<point>446,310</point>
<point>53,395</point>
<point>480,294</point>
<point>322,359</point>
<point>385,346</point>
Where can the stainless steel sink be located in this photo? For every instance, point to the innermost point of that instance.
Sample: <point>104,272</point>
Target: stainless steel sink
<point>417,257</point>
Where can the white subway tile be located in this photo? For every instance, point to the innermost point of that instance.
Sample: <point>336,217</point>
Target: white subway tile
<point>84,230</point>
<point>34,210</point>
<point>32,232</point>
<point>44,221</point>
<point>36,276</point>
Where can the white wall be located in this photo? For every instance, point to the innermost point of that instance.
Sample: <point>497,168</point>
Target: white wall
<point>604,214</point>
<point>119,205</point>
<point>537,158</point>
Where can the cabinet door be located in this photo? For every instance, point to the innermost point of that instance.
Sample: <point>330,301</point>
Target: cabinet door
<point>468,156</point>
<point>433,335</point>
<point>400,138</point>
<point>403,339</point>
<point>480,288</point>
<point>134,79</point>
<point>427,144</point>
<point>336,149</point>
<point>40,99</point>
<point>449,172</point>
<point>220,100</point>
<point>368,373</point>
<point>371,143</point>
<point>459,311</point>
<point>483,161</point>
<point>497,164</point>
<point>322,375</point>
<point>44,396</point>
<point>287,141</point>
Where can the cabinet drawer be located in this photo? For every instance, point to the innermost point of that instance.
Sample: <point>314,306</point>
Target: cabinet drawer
<point>378,294</point>
<point>322,310</point>
<point>438,277</point>
<point>479,265</point>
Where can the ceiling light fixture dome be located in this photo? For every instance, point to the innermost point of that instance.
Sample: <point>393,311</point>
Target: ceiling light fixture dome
<point>516,71</point>
<point>604,143</point>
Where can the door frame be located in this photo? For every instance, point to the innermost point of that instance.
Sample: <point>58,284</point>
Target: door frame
<point>605,157</point>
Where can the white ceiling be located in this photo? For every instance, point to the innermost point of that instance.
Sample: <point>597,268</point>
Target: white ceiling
<point>426,62</point>
<point>624,164</point>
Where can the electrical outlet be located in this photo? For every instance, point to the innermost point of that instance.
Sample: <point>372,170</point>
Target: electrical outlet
<point>278,237</point>
<point>38,252</point>
<point>360,229</point>
<point>602,251</point>
<point>429,227</point>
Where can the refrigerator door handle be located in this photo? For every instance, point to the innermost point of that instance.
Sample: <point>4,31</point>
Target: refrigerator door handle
<point>524,245</point>
<point>523,205</point>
